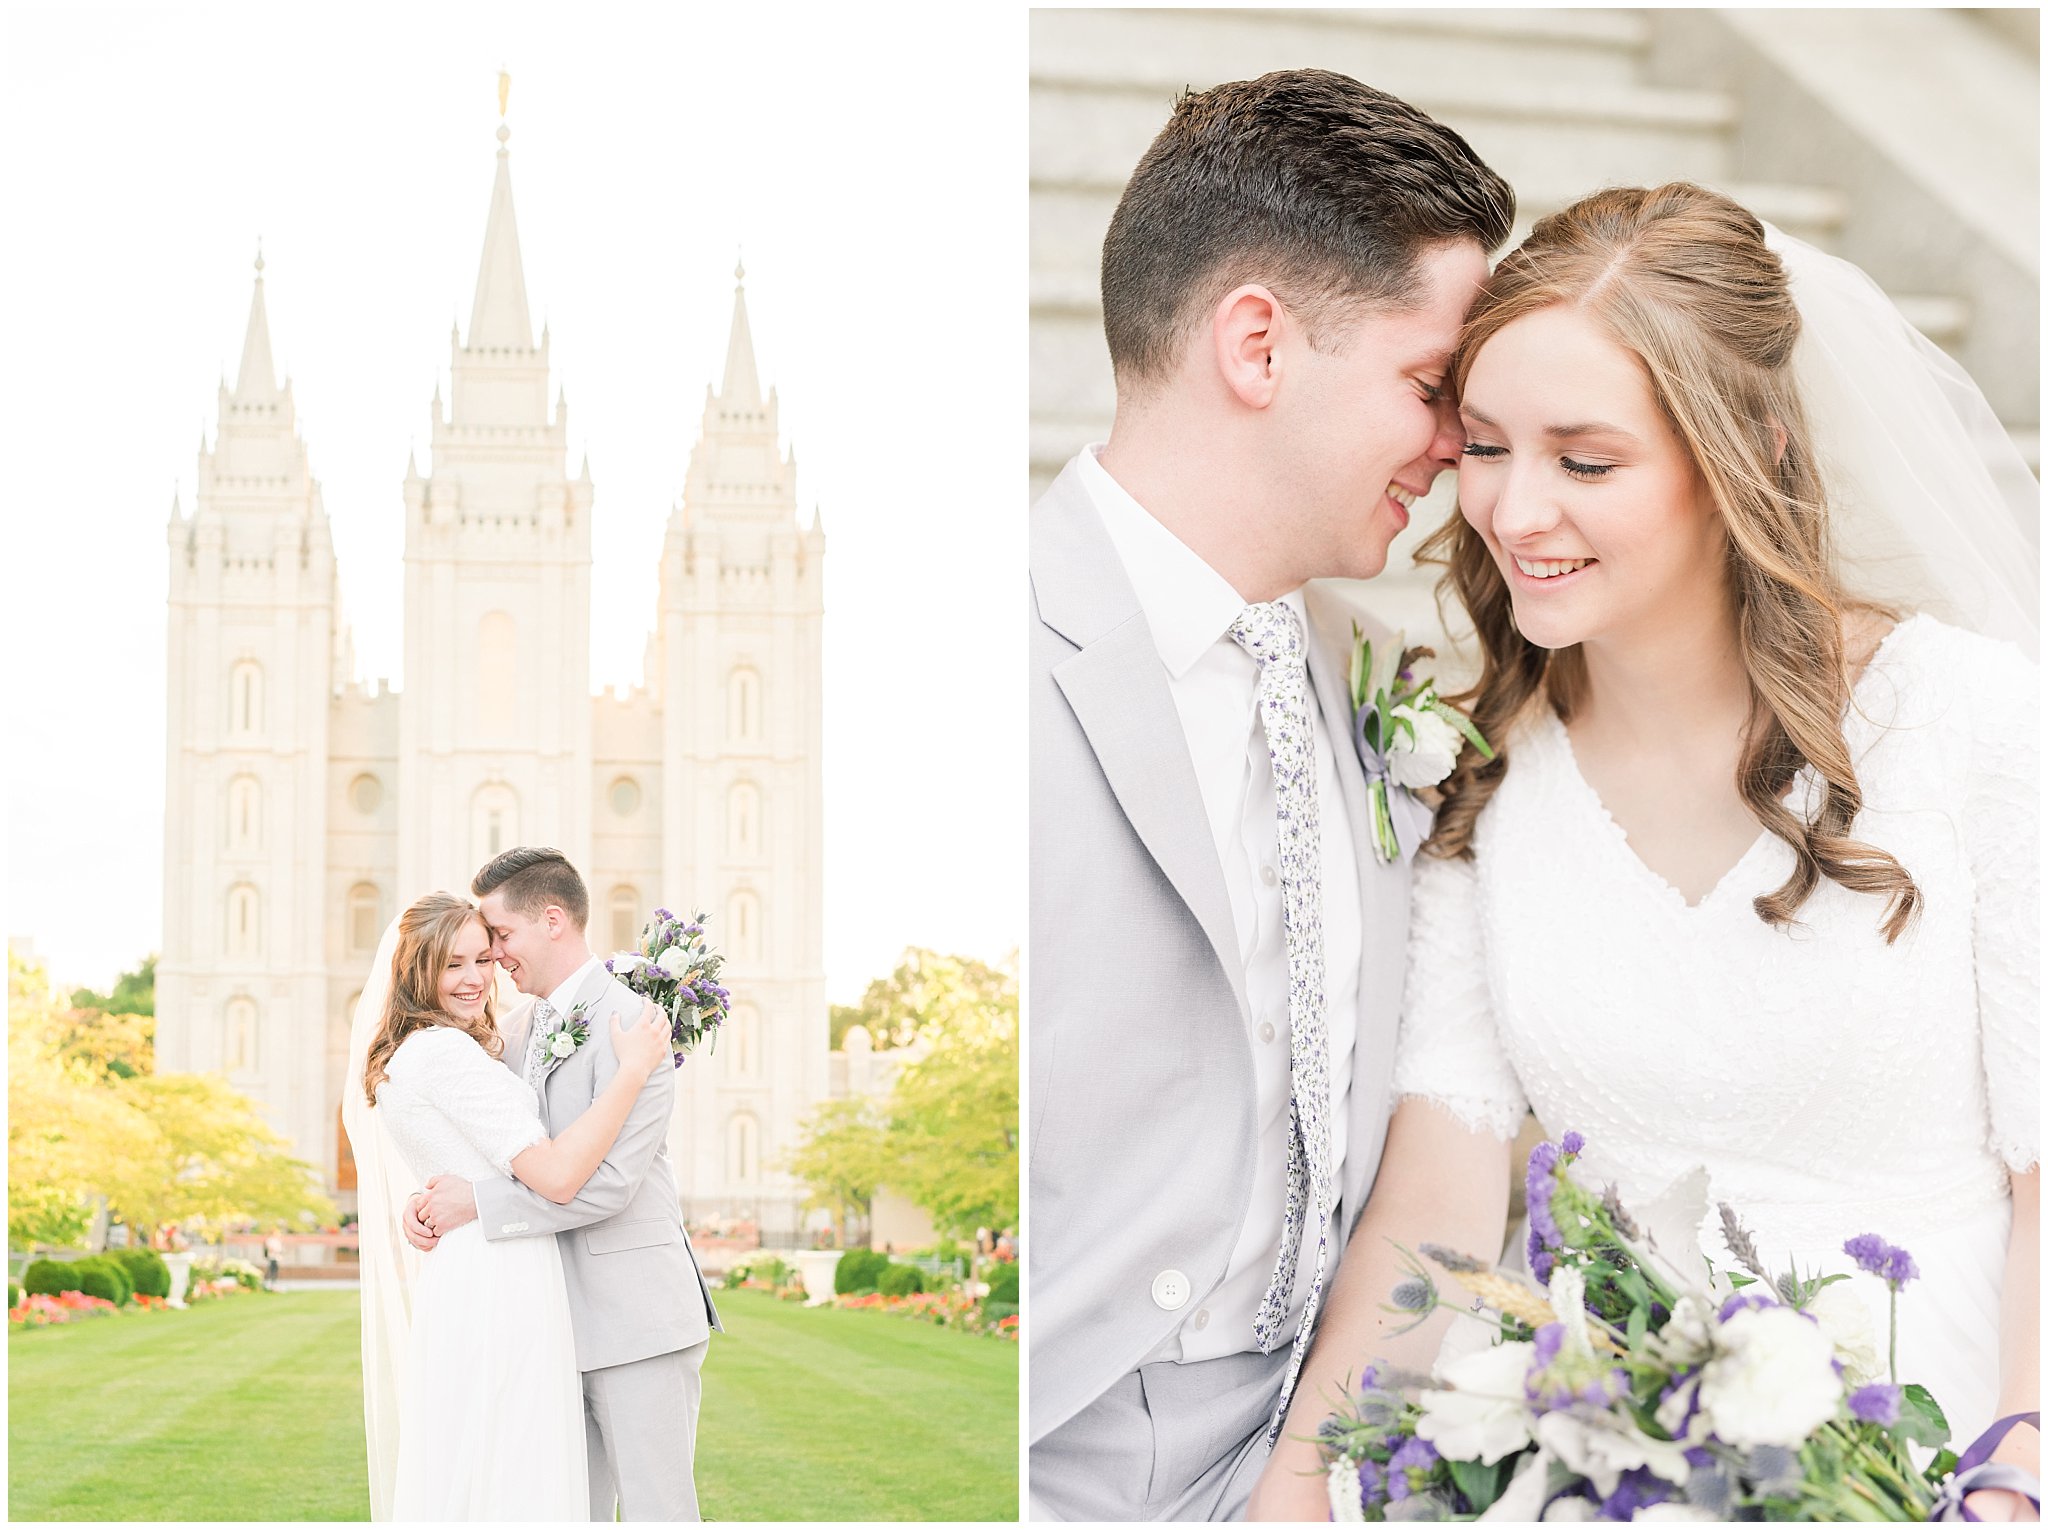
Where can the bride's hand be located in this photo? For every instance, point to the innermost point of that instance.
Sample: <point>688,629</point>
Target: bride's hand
<point>644,1047</point>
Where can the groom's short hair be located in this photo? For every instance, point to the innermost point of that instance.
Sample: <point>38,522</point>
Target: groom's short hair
<point>1324,189</point>
<point>531,877</point>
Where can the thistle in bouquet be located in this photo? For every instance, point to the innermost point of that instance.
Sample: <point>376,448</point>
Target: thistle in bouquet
<point>1627,1378</point>
<point>676,967</point>
<point>1407,737</point>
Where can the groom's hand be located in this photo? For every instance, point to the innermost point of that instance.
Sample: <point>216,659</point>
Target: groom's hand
<point>448,1203</point>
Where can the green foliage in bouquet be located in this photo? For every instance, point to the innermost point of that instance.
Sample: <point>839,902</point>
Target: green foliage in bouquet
<point>1630,1374</point>
<point>50,1277</point>
<point>900,1280</point>
<point>858,1271</point>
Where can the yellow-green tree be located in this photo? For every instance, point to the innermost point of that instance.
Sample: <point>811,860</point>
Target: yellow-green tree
<point>844,1158</point>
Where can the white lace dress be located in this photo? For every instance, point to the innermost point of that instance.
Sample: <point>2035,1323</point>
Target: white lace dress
<point>490,1420</point>
<point>1830,1084</point>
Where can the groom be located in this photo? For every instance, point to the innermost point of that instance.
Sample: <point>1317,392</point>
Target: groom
<point>640,1309</point>
<point>1216,955</point>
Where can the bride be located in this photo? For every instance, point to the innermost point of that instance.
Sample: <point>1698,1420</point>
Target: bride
<point>1753,882</point>
<point>473,1400</point>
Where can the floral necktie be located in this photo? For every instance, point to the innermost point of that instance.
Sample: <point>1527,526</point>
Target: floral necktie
<point>1271,633</point>
<point>537,1041</point>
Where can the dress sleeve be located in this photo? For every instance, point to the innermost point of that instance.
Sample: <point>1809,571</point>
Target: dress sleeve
<point>494,1112</point>
<point>2002,828</point>
<point>1449,1051</point>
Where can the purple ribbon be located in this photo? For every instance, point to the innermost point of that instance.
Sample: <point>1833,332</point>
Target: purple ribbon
<point>1411,821</point>
<point>1976,1472</point>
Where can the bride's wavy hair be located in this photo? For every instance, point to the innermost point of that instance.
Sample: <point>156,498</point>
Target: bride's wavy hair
<point>426,934</point>
<point>1681,278</point>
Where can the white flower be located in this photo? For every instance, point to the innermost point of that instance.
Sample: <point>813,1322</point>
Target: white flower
<point>623,962</point>
<point>1688,1337</point>
<point>1346,1505</point>
<point>1601,1446</point>
<point>1425,758</point>
<point>1773,1381</point>
<point>673,960</point>
<point>561,1044</point>
<point>1487,1417</point>
<point>1845,1318</point>
<point>1677,1513</point>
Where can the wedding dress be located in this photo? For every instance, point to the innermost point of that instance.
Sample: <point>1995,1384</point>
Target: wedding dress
<point>490,1404</point>
<point>1830,1084</point>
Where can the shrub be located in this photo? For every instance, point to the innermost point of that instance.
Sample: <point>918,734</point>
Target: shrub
<point>146,1271</point>
<point>1002,1286</point>
<point>900,1280</point>
<point>100,1276</point>
<point>13,1296</point>
<point>858,1270</point>
<point>995,1312</point>
<point>50,1277</point>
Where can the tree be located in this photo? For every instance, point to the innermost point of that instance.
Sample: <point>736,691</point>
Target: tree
<point>953,1112</point>
<point>843,1156</point>
<point>895,1008</point>
<point>134,993</point>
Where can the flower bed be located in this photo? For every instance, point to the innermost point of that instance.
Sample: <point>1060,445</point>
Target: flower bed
<point>948,1309</point>
<point>66,1307</point>
<point>210,1290</point>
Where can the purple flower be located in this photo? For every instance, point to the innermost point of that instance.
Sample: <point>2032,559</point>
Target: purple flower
<point>1748,1301</point>
<point>1877,1403</point>
<point>1537,1190</point>
<point>1574,1143</point>
<point>663,915</point>
<point>1415,1454</point>
<point>1372,1481</point>
<point>1397,1486</point>
<point>1540,1262</point>
<point>1887,1261</point>
<point>1369,1378</point>
<point>1549,1340</point>
<point>1638,1489</point>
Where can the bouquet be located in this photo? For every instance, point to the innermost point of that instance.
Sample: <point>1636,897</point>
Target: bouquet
<point>1406,737</point>
<point>676,968</point>
<point>1630,1380</point>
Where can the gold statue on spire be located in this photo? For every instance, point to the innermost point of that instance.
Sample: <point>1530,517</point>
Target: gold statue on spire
<point>504,90</point>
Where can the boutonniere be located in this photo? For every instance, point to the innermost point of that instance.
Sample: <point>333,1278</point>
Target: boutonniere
<point>1406,736</point>
<point>570,1031</point>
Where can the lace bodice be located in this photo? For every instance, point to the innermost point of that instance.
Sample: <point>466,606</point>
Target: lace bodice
<point>1824,1078</point>
<point>451,1109</point>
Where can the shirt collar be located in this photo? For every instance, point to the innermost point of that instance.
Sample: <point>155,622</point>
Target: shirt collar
<point>1187,604</point>
<point>558,1001</point>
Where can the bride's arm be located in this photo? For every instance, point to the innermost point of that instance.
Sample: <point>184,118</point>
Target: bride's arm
<point>558,1167</point>
<point>1439,1182</point>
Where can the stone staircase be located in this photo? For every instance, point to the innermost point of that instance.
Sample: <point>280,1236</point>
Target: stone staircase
<point>1560,102</point>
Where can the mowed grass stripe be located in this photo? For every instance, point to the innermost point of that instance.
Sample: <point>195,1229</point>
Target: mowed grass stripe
<point>252,1409</point>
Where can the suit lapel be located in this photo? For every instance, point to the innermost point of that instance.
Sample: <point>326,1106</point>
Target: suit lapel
<point>1118,690</point>
<point>587,992</point>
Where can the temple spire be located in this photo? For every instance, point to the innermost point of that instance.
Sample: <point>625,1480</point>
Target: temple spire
<point>257,381</point>
<point>500,318</point>
<point>742,386</point>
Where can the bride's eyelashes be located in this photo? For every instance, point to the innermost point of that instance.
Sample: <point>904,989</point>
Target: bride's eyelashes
<point>1585,472</point>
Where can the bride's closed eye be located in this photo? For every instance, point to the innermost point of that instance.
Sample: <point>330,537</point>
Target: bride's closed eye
<point>1587,472</point>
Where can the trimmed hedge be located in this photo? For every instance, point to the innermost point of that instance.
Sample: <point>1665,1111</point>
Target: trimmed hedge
<point>1002,1285</point>
<point>858,1270</point>
<point>13,1296</point>
<point>995,1312</point>
<point>146,1270</point>
<point>102,1277</point>
<point>50,1277</point>
<point>901,1280</point>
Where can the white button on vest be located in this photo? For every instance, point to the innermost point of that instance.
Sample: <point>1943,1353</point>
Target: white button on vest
<point>1266,1031</point>
<point>1202,1318</point>
<point>1268,875</point>
<point>1170,1290</point>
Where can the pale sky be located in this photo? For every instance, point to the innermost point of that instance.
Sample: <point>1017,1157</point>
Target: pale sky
<point>875,183</point>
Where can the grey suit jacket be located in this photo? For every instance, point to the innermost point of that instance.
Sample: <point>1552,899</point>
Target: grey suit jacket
<point>1142,1095</point>
<point>634,1286</point>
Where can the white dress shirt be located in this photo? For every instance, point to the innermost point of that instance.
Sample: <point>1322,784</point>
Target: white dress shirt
<point>1189,608</point>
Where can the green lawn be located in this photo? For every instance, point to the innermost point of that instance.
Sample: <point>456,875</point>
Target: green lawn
<point>251,1408</point>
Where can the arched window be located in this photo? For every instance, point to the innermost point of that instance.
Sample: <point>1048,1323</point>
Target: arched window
<point>741,1042</point>
<point>245,698</point>
<point>497,654</point>
<point>245,813</point>
<point>365,917</point>
<point>245,921</point>
<point>743,926</point>
<point>743,1150</point>
<point>625,906</point>
<point>743,706</point>
<point>743,821</point>
<point>238,1041</point>
<point>494,821</point>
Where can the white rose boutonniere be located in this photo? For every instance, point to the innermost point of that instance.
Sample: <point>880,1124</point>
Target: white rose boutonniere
<point>570,1032</point>
<point>1406,736</point>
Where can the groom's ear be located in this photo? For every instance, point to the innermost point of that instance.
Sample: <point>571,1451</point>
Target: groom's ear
<point>1244,330</point>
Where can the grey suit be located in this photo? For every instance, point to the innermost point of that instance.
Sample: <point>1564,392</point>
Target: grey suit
<point>642,1312</point>
<point>1142,1094</point>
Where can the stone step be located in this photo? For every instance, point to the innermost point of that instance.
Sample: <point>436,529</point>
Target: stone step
<point>1170,49</point>
<point>1091,134</point>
